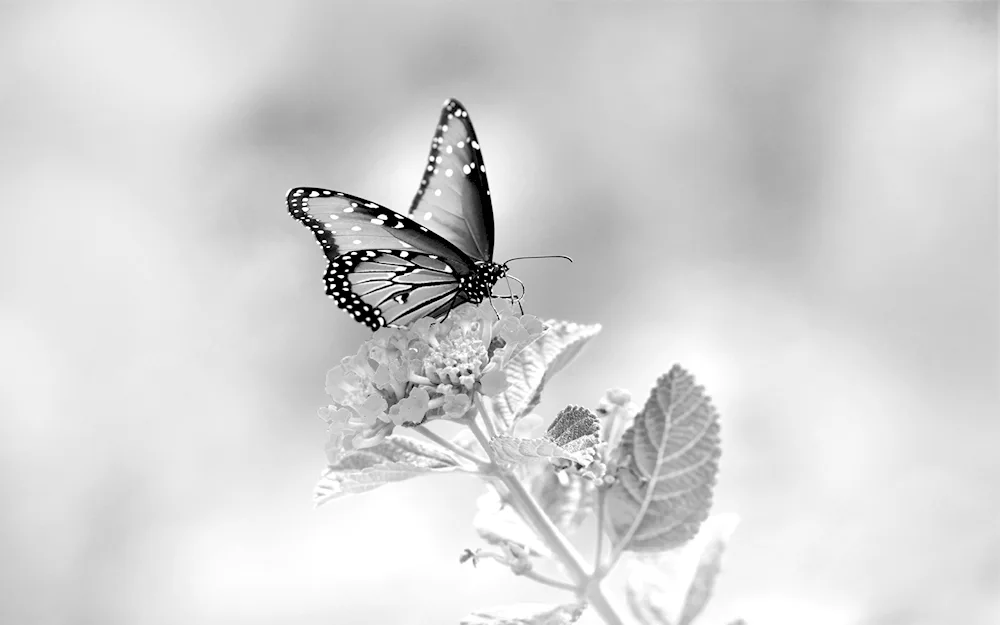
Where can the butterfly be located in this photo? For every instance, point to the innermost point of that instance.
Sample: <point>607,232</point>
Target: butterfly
<point>387,269</point>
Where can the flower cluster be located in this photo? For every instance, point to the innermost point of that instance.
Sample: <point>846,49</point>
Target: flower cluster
<point>406,376</point>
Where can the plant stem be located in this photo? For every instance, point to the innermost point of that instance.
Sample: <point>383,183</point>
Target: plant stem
<point>599,549</point>
<point>585,585</point>
<point>538,577</point>
<point>548,581</point>
<point>567,554</point>
<point>484,440</point>
<point>487,417</point>
<point>452,447</point>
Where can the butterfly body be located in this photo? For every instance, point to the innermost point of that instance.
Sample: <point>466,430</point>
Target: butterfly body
<point>389,269</point>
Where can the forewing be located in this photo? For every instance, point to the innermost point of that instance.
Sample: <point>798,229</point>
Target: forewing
<point>454,197</point>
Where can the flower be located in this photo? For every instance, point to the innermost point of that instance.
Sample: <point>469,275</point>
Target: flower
<point>430,370</point>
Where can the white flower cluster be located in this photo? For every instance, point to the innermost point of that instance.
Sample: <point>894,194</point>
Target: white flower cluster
<point>406,376</point>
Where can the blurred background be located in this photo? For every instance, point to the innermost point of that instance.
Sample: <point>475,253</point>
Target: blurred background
<point>798,202</point>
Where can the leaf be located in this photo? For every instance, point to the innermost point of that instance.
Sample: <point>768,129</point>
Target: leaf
<point>567,498</point>
<point>663,488</point>
<point>647,597</point>
<point>392,460</point>
<point>574,429</point>
<point>500,525</point>
<point>675,586</point>
<point>572,436</point>
<point>714,536</point>
<point>520,450</point>
<point>527,614</point>
<point>532,368</point>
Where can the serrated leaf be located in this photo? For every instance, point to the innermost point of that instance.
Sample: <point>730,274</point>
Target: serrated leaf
<point>674,586</point>
<point>521,450</point>
<point>567,498</point>
<point>572,436</point>
<point>663,488</point>
<point>392,460</point>
<point>574,429</point>
<point>500,525</point>
<point>713,538</point>
<point>527,614</point>
<point>532,368</point>
<point>647,598</point>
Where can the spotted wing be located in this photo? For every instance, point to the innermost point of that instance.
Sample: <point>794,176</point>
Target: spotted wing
<point>384,269</point>
<point>454,197</point>
<point>392,287</point>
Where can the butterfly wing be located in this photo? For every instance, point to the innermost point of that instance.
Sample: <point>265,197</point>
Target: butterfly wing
<point>454,197</point>
<point>384,269</point>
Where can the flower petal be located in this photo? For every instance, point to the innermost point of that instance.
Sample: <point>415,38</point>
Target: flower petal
<point>493,382</point>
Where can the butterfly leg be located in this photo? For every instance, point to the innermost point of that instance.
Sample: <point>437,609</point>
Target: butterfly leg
<point>519,297</point>
<point>495,312</point>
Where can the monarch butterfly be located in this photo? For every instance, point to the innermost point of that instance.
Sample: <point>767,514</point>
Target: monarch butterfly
<point>386,269</point>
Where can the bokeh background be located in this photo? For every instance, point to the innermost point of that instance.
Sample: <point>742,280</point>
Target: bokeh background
<point>798,202</point>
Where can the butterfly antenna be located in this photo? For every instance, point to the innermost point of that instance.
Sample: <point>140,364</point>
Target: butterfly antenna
<point>523,289</point>
<point>546,256</point>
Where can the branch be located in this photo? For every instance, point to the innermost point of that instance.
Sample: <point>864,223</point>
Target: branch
<point>599,550</point>
<point>535,517</point>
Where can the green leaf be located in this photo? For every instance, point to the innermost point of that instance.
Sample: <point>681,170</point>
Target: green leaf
<point>527,614</point>
<point>520,450</point>
<point>392,460</point>
<point>712,540</point>
<point>648,597</point>
<point>663,487</point>
<point>572,436</point>
<point>567,498</point>
<point>574,429</point>
<point>675,586</point>
<point>529,371</point>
